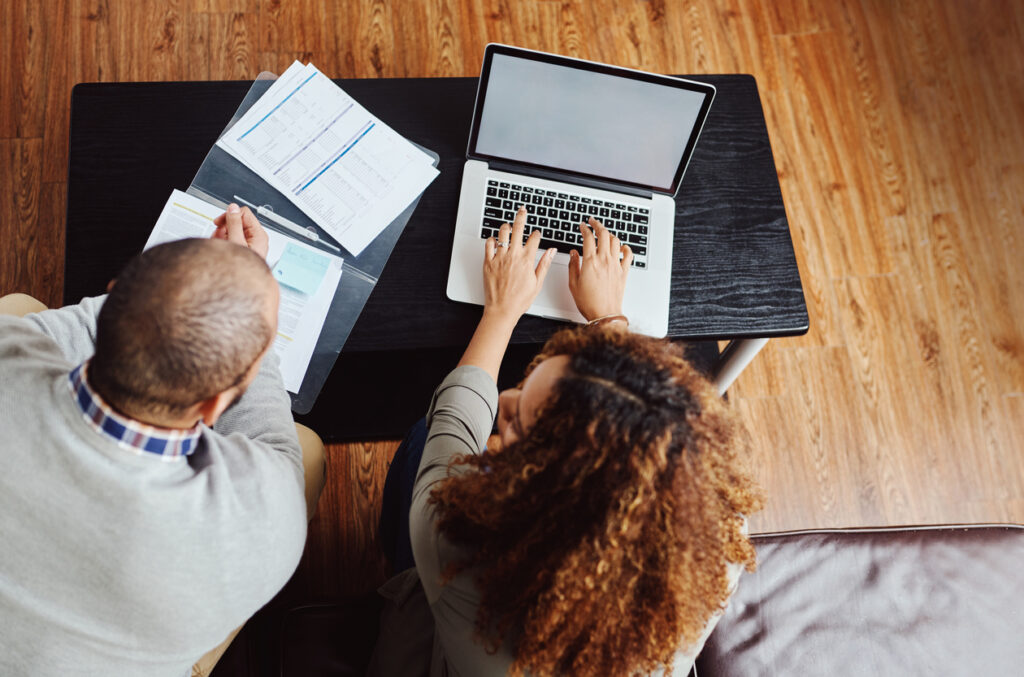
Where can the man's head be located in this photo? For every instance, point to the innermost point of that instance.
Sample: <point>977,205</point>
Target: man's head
<point>183,331</point>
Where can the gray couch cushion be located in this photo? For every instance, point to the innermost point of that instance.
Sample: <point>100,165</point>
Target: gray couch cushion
<point>908,601</point>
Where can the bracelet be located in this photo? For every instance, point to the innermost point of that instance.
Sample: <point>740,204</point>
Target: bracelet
<point>607,319</point>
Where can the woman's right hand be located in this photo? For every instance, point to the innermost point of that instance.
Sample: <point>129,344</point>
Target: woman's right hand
<point>512,279</point>
<point>512,275</point>
<point>597,280</point>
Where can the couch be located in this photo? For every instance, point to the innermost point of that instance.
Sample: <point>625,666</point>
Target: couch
<point>896,601</point>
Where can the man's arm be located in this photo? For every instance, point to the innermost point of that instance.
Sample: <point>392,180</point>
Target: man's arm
<point>72,328</point>
<point>264,414</point>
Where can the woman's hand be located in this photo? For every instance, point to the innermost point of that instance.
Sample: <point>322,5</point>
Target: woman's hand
<point>597,281</point>
<point>511,280</point>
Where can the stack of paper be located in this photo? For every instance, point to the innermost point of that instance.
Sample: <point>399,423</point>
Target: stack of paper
<point>341,165</point>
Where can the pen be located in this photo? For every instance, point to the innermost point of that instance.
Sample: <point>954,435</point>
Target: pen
<point>307,233</point>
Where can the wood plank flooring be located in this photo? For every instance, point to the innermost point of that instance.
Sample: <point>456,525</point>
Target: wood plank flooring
<point>898,132</point>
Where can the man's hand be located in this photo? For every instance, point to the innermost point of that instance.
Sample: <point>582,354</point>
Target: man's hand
<point>598,280</point>
<point>241,227</point>
<point>511,280</point>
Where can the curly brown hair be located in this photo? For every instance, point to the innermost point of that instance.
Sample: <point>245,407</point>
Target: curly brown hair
<point>601,539</point>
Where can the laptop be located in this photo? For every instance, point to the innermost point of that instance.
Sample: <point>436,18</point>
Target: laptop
<point>572,139</point>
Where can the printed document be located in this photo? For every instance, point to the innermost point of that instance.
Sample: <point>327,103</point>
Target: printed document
<point>308,278</point>
<point>341,165</point>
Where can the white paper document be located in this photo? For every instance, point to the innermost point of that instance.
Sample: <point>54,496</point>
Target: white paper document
<point>342,166</point>
<point>307,276</point>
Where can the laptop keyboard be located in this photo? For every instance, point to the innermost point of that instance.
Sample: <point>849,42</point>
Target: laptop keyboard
<point>558,215</point>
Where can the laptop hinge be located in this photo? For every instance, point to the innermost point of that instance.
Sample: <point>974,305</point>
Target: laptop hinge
<point>568,178</point>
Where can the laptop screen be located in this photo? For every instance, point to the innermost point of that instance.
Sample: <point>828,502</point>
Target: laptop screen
<point>587,119</point>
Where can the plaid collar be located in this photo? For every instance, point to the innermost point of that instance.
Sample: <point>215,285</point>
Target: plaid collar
<point>139,438</point>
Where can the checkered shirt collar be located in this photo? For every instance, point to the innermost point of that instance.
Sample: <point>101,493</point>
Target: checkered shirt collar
<point>139,438</point>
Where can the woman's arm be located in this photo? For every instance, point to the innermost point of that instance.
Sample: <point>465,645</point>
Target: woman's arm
<point>511,282</point>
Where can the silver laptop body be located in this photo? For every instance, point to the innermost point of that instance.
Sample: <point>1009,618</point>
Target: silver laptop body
<point>573,139</point>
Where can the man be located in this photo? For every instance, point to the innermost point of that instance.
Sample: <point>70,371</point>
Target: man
<point>143,518</point>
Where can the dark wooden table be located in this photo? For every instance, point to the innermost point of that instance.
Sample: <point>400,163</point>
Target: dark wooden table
<point>734,271</point>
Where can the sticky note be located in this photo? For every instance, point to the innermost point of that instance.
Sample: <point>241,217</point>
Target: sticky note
<point>301,269</point>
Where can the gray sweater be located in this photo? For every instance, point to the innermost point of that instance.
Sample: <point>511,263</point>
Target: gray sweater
<point>427,627</point>
<point>113,563</point>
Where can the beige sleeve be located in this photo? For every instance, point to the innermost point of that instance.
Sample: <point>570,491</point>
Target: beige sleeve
<point>459,421</point>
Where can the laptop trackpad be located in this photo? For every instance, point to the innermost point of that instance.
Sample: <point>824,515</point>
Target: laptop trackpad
<point>554,300</point>
<point>561,258</point>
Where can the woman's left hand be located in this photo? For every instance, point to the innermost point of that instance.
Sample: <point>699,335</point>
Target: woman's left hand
<point>511,280</point>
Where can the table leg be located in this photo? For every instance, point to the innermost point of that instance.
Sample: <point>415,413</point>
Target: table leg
<point>734,359</point>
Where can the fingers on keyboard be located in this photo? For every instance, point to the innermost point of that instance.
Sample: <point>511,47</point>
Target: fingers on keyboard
<point>557,216</point>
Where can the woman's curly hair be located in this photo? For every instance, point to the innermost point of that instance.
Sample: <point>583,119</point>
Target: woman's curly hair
<point>600,541</point>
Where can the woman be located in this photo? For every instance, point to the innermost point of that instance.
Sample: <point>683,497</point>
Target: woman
<point>606,534</point>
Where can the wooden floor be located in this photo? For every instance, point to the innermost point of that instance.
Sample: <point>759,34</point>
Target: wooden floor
<point>898,131</point>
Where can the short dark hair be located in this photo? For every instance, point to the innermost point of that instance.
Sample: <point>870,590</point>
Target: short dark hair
<point>184,321</point>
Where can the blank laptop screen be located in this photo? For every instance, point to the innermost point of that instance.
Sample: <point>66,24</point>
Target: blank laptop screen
<point>626,130</point>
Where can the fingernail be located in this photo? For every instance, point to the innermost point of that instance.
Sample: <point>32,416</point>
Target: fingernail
<point>232,208</point>
<point>522,208</point>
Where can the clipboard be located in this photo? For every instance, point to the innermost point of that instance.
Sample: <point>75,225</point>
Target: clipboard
<point>223,179</point>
